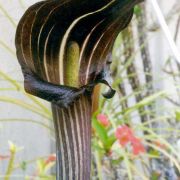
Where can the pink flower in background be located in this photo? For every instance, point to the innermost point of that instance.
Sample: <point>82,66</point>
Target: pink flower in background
<point>50,159</point>
<point>103,119</point>
<point>160,145</point>
<point>2,157</point>
<point>124,134</point>
<point>137,146</point>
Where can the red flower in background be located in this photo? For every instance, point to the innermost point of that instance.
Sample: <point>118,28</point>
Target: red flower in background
<point>125,135</point>
<point>50,159</point>
<point>137,146</point>
<point>103,119</point>
<point>160,145</point>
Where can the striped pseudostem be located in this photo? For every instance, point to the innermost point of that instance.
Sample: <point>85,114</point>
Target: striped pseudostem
<point>73,134</point>
<point>64,49</point>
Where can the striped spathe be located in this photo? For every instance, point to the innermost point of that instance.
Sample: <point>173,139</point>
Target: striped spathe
<point>46,28</point>
<point>43,36</point>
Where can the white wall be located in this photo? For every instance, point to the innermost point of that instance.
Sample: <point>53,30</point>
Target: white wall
<point>35,139</point>
<point>160,50</point>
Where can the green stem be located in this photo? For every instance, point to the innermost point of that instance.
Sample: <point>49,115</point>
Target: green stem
<point>10,166</point>
<point>8,16</point>
<point>20,88</point>
<point>28,121</point>
<point>98,163</point>
<point>27,106</point>
<point>3,44</point>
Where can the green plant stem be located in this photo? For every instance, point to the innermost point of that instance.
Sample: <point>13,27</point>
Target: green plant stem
<point>11,51</point>
<point>98,163</point>
<point>163,141</point>
<point>20,88</point>
<point>168,155</point>
<point>10,166</point>
<point>28,121</point>
<point>25,105</point>
<point>21,2</point>
<point>8,16</point>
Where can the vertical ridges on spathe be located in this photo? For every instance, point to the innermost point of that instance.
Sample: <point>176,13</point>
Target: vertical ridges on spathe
<point>46,29</point>
<point>73,136</point>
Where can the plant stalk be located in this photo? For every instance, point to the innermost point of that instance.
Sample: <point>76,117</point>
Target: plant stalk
<point>73,140</point>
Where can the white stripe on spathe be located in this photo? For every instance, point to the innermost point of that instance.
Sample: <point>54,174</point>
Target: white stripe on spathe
<point>83,139</point>
<point>61,144</point>
<point>65,37</point>
<point>41,7</point>
<point>85,119</point>
<point>94,49</point>
<point>22,33</point>
<point>86,41</point>
<point>90,59</point>
<point>47,18</point>
<point>43,25</point>
<point>45,58</point>
<point>79,141</point>
<point>22,49</point>
<point>67,146</point>
<point>74,144</point>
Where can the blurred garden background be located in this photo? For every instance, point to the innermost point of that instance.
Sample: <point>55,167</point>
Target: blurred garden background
<point>135,135</point>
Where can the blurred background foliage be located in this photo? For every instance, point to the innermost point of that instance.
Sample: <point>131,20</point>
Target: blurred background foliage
<point>135,135</point>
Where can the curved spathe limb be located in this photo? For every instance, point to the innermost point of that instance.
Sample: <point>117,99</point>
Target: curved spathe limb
<point>61,95</point>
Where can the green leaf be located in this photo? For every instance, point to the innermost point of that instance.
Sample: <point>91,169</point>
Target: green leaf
<point>117,161</point>
<point>23,165</point>
<point>48,167</point>
<point>154,152</point>
<point>25,105</point>
<point>137,10</point>
<point>41,165</point>
<point>101,132</point>
<point>106,140</point>
<point>177,113</point>
<point>146,101</point>
<point>111,140</point>
<point>155,175</point>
